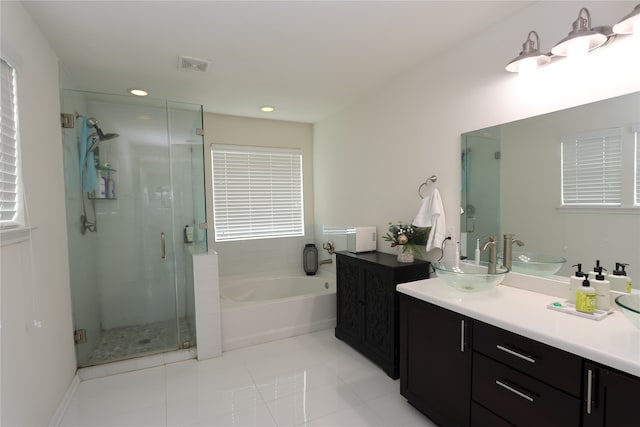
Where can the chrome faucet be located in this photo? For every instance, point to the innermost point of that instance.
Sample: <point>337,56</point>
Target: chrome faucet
<point>329,247</point>
<point>507,249</point>
<point>492,245</point>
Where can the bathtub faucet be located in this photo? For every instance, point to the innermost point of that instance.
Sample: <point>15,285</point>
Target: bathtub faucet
<point>325,261</point>
<point>329,247</point>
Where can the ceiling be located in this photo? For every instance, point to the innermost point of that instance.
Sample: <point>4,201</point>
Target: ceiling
<point>307,58</point>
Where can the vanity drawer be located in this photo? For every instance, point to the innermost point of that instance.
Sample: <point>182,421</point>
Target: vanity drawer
<point>520,399</point>
<point>548,364</point>
<point>482,417</point>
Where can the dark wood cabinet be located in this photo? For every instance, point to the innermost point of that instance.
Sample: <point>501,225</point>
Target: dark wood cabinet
<point>461,371</point>
<point>367,303</point>
<point>435,361</point>
<point>609,397</point>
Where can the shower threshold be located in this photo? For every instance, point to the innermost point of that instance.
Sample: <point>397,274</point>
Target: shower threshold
<point>129,342</point>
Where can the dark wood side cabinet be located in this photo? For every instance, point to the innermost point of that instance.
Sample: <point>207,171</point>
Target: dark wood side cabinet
<point>435,361</point>
<point>367,303</point>
<point>610,397</point>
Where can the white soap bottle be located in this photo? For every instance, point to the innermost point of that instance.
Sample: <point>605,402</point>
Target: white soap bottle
<point>586,297</point>
<point>575,282</point>
<point>477,254</point>
<point>620,282</point>
<point>603,291</point>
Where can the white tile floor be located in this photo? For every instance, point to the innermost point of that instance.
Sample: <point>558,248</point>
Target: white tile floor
<point>309,380</point>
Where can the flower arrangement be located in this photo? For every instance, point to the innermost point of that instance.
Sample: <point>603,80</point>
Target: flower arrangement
<point>411,238</point>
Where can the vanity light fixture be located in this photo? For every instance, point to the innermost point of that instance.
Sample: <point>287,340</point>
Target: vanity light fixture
<point>138,92</point>
<point>630,24</point>
<point>267,109</point>
<point>530,58</point>
<point>582,38</point>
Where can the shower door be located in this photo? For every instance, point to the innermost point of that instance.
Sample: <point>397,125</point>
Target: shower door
<point>128,298</point>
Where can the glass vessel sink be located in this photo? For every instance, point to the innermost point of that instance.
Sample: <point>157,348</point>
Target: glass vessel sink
<point>630,306</point>
<point>468,277</point>
<point>535,264</point>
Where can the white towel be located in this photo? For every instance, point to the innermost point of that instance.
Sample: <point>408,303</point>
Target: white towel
<point>431,214</point>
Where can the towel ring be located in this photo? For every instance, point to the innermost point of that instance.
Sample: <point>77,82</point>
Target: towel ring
<point>432,178</point>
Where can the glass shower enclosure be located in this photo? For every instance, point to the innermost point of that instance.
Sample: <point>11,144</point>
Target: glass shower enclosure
<point>134,179</point>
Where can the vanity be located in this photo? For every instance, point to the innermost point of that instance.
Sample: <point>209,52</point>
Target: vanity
<point>501,358</point>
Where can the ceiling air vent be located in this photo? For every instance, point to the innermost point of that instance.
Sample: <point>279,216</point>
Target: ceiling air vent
<point>193,64</point>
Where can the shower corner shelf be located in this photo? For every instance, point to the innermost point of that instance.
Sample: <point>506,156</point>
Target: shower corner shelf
<point>110,177</point>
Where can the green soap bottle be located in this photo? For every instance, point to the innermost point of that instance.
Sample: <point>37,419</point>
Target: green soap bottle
<point>586,297</point>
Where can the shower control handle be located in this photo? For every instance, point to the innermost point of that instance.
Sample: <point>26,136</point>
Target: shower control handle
<point>163,251</point>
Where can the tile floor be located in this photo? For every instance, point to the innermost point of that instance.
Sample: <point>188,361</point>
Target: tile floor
<point>309,380</point>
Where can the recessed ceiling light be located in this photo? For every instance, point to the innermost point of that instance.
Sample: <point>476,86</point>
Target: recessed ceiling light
<point>267,109</point>
<point>138,92</point>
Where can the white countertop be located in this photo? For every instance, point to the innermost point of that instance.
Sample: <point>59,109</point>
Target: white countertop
<point>612,341</point>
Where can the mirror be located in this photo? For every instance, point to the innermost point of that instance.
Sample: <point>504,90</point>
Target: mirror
<point>512,178</point>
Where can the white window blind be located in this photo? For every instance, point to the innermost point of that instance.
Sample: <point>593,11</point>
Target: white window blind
<point>257,192</point>
<point>592,168</point>
<point>8,147</point>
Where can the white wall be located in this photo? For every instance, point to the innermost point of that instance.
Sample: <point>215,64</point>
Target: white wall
<point>38,364</point>
<point>260,256</point>
<point>371,157</point>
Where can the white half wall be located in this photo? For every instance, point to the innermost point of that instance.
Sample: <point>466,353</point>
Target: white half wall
<point>38,363</point>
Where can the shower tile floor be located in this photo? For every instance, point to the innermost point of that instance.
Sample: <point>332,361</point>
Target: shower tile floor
<point>308,380</point>
<point>121,343</point>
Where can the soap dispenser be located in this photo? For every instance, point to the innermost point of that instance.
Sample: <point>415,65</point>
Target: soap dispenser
<point>575,282</point>
<point>620,282</point>
<point>586,297</point>
<point>593,272</point>
<point>603,289</point>
<point>477,254</point>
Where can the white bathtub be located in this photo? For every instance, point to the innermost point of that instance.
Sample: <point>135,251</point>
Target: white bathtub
<point>260,309</point>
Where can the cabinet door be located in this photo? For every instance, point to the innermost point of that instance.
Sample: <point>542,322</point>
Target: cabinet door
<point>349,300</point>
<point>380,314</point>
<point>435,361</point>
<point>609,398</point>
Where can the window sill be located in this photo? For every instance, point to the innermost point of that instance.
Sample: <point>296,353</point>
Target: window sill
<point>11,236</point>
<point>599,210</point>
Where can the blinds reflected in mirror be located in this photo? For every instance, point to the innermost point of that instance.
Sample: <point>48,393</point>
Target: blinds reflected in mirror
<point>592,168</point>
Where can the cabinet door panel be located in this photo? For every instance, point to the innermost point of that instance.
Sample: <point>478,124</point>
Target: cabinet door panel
<point>609,398</point>
<point>435,361</point>
<point>349,313</point>
<point>379,312</point>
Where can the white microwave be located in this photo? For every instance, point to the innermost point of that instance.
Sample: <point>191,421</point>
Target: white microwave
<point>361,239</point>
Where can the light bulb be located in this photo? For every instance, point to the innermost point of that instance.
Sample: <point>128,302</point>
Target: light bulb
<point>527,66</point>
<point>578,48</point>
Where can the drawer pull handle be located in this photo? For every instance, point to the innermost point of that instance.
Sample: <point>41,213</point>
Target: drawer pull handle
<point>462,336</point>
<point>514,391</point>
<point>589,390</point>
<point>515,353</point>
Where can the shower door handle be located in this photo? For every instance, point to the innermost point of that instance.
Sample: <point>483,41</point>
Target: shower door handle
<point>163,247</point>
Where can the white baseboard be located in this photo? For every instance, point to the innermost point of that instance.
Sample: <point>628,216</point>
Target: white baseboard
<point>56,420</point>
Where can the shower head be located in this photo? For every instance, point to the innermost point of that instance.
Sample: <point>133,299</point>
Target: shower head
<point>93,123</point>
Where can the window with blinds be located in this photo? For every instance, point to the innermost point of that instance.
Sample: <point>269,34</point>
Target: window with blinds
<point>8,147</point>
<point>257,192</point>
<point>592,169</point>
